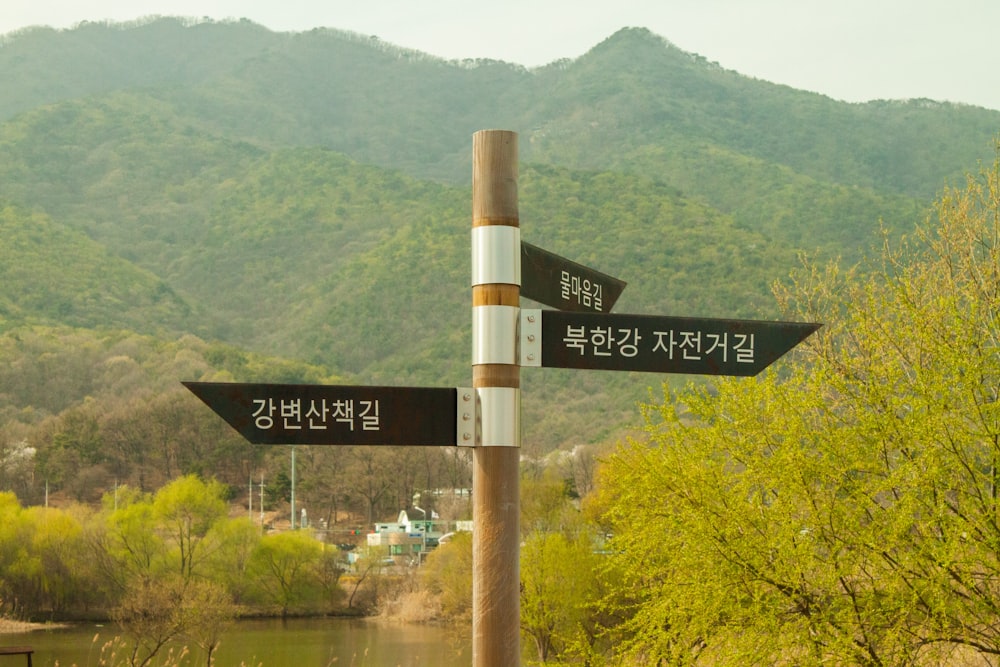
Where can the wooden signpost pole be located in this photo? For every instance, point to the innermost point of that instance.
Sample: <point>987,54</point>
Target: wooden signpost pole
<point>496,380</point>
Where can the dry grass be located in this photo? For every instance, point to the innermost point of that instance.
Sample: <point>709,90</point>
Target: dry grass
<point>412,607</point>
<point>8,626</point>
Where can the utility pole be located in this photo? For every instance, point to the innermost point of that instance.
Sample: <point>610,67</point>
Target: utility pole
<point>293,487</point>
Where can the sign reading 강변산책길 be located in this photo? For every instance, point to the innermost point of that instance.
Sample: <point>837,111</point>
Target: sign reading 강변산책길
<point>335,414</point>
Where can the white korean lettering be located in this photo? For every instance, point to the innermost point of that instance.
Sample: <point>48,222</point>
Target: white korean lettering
<point>291,413</point>
<point>369,415</point>
<point>317,414</point>
<point>343,412</point>
<point>718,342</point>
<point>628,342</point>
<point>586,298</point>
<point>583,291</point>
<point>668,345</point>
<point>576,338</point>
<point>690,344</point>
<point>263,415</point>
<point>743,346</point>
<point>600,338</point>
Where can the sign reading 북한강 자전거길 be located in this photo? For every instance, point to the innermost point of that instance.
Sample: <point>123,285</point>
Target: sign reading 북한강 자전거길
<point>655,344</point>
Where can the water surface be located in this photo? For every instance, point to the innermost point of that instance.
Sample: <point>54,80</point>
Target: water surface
<point>332,642</point>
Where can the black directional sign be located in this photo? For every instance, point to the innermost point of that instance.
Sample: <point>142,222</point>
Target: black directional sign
<point>555,281</point>
<point>659,344</point>
<point>298,414</point>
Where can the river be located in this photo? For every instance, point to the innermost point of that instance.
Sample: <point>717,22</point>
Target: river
<point>327,642</point>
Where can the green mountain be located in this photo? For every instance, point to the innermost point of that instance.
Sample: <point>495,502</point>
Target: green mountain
<point>52,273</point>
<point>307,196</point>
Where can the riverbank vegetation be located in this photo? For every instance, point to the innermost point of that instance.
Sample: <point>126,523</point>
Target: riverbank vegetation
<point>179,543</point>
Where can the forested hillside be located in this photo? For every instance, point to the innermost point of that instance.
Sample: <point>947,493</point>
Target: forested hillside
<point>303,199</point>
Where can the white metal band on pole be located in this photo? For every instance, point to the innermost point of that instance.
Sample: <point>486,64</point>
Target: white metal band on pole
<point>496,255</point>
<point>497,407</point>
<point>494,335</point>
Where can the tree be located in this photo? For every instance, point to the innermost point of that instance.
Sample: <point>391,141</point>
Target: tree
<point>152,614</point>
<point>545,504</point>
<point>229,564</point>
<point>70,452</point>
<point>283,568</point>
<point>156,613</point>
<point>842,507</point>
<point>65,577</point>
<point>368,578</point>
<point>16,464</point>
<point>206,610</point>
<point>558,590</point>
<point>447,574</point>
<point>124,542</point>
<point>370,476</point>
<point>14,553</point>
<point>187,509</point>
<point>324,483</point>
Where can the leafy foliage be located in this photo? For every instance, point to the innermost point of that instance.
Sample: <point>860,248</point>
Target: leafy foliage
<point>844,509</point>
<point>172,559</point>
<point>54,273</point>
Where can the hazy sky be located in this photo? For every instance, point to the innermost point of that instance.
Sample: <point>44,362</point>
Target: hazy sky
<point>853,50</point>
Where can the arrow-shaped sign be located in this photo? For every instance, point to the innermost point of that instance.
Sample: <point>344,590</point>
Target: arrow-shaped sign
<point>655,344</point>
<point>558,282</point>
<point>303,414</point>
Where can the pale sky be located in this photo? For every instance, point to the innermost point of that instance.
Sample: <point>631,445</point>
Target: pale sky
<point>853,50</point>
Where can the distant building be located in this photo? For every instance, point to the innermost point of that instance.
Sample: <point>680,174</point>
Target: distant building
<point>408,540</point>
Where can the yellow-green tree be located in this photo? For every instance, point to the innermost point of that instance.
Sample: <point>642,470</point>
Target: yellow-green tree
<point>229,563</point>
<point>187,510</point>
<point>447,574</point>
<point>44,565</point>
<point>843,507</point>
<point>65,576</point>
<point>560,582</point>
<point>285,571</point>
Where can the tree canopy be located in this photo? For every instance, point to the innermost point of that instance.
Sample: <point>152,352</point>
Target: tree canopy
<point>843,507</point>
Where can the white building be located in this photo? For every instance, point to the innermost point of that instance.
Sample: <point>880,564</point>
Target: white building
<point>408,540</point>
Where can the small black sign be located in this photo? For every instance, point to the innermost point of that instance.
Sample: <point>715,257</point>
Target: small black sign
<point>300,414</point>
<point>657,344</point>
<point>555,281</point>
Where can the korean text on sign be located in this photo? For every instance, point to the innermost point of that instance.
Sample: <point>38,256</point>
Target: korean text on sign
<point>691,345</point>
<point>603,341</point>
<point>584,291</point>
<point>696,345</point>
<point>292,414</point>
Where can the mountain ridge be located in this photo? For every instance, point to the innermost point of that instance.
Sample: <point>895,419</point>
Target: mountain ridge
<point>306,195</point>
